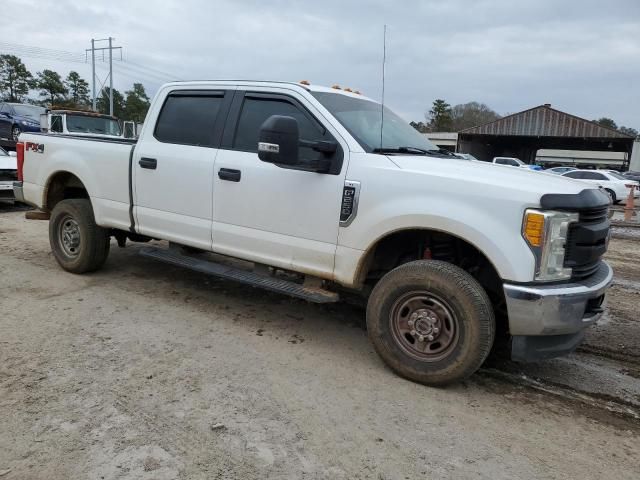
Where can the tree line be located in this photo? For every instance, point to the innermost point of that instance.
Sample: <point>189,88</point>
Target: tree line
<point>442,117</point>
<point>17,82</point>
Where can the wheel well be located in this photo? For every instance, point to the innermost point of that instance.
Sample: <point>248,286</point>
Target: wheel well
<point>61,186</point>
<point>405,246</point>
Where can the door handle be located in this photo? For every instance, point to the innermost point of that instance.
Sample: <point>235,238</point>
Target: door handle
<point>229,174</point>
<point>150,163</point>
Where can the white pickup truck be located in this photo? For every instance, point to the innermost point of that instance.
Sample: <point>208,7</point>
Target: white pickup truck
<point>299,180</point>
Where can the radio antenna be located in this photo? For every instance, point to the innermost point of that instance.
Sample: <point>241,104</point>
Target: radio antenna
<point>384,60</point>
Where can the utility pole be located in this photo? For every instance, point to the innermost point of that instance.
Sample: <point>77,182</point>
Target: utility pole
<point>93,49</point>
<point>110,76</point>
<point>93,74</point>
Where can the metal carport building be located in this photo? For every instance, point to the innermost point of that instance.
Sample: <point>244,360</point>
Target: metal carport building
<point>522,134</point>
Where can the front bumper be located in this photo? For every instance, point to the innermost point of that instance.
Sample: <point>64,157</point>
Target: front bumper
<point>18,192</point>
<point>549,320</point>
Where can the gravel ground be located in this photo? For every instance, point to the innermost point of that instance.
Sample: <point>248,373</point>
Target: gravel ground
<point>144,371</point>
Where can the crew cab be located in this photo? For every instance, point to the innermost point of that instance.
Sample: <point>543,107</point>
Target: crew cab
<point>318,194</point>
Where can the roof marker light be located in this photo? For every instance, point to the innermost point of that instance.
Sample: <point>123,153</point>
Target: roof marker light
<point>304,82</point>
<point>336,87</point>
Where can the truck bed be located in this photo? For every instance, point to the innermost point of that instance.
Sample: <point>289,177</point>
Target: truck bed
<point>103,164</point>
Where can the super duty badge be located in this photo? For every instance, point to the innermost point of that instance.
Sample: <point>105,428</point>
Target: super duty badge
<point>349,206</point>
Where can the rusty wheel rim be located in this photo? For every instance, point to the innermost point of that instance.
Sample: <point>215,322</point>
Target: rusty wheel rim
<point>69,235</point>
<point>424,326</point>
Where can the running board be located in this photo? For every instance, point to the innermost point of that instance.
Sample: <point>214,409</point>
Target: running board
<point>312,294</point>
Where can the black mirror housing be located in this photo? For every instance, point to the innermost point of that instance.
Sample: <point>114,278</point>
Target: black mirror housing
<point>278,140</point>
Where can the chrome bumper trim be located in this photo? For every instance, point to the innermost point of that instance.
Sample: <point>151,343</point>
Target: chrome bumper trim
<point>556,309</point>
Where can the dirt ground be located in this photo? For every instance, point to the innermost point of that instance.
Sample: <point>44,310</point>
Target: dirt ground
<point>145,371</point>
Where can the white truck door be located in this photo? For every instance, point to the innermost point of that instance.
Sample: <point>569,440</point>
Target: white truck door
<point>173,167</point>
<point>274,215</point>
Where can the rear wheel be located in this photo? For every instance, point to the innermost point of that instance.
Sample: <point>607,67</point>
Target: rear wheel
<point>431,322</point>
<point>78,244</point>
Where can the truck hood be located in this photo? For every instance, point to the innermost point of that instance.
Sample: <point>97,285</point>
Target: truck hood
<point>529,185</point>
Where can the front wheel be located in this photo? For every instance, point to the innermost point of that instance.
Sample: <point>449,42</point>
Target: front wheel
<point>431,322</point>
<point>78,244</point>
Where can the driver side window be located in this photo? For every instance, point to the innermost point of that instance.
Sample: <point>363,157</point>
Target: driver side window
<point>256,110</point>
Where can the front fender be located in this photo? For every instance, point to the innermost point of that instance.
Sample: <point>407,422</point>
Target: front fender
<point>496,236</point>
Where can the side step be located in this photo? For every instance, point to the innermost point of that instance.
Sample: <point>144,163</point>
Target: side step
<point>312,294</point>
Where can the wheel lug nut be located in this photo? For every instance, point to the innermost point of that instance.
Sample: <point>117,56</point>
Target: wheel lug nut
<point>435,330</point>
<point>430,338</point>
<point>413,332</point>
<point>421,338</point>
<point>411,322</point>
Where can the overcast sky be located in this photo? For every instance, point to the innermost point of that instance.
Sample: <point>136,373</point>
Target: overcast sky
<point>581,56</point>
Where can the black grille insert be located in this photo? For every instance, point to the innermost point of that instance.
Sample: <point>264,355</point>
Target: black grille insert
<point>587,242</point>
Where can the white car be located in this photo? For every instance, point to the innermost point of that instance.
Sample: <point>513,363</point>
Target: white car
<point>8,173</point>
<point>514,162</point>
<point>616,185</point>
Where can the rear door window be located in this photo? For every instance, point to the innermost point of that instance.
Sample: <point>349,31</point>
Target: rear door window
<point>189,118</point>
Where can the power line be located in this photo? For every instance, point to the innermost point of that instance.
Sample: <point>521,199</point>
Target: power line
<point>153,74</point>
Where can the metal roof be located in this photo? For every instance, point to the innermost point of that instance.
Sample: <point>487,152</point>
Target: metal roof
<point>544,121</point>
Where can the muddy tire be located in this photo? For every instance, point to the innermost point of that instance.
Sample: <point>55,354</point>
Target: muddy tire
<point>79,245</point>
<point>431,322</point>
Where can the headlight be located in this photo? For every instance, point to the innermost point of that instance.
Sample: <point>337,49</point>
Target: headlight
<point>546,233</point>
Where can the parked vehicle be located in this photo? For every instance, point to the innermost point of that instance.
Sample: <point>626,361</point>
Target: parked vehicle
<point>514,162</point>
<point>8,173</point>
<point>560,170</point>
<point>80,123</point>
<point>16,118</point>
<point>301,179</point>
<point>616,185</point>
<point>635,176</point>
<point>467,156</point>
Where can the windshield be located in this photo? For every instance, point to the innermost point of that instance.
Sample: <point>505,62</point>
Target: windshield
<point>31,111</point>
<point>88,124</point>
<point>362,118</point>
<point>3,152</point>
<point>617,175</point>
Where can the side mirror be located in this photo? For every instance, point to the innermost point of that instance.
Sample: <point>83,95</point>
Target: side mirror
<point>278,140</point>
<point>13,154</point>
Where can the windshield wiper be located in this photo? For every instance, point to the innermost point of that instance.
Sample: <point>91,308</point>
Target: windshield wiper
<point>412,150</point>
<point>415,150</point>
<point>441,152</point>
